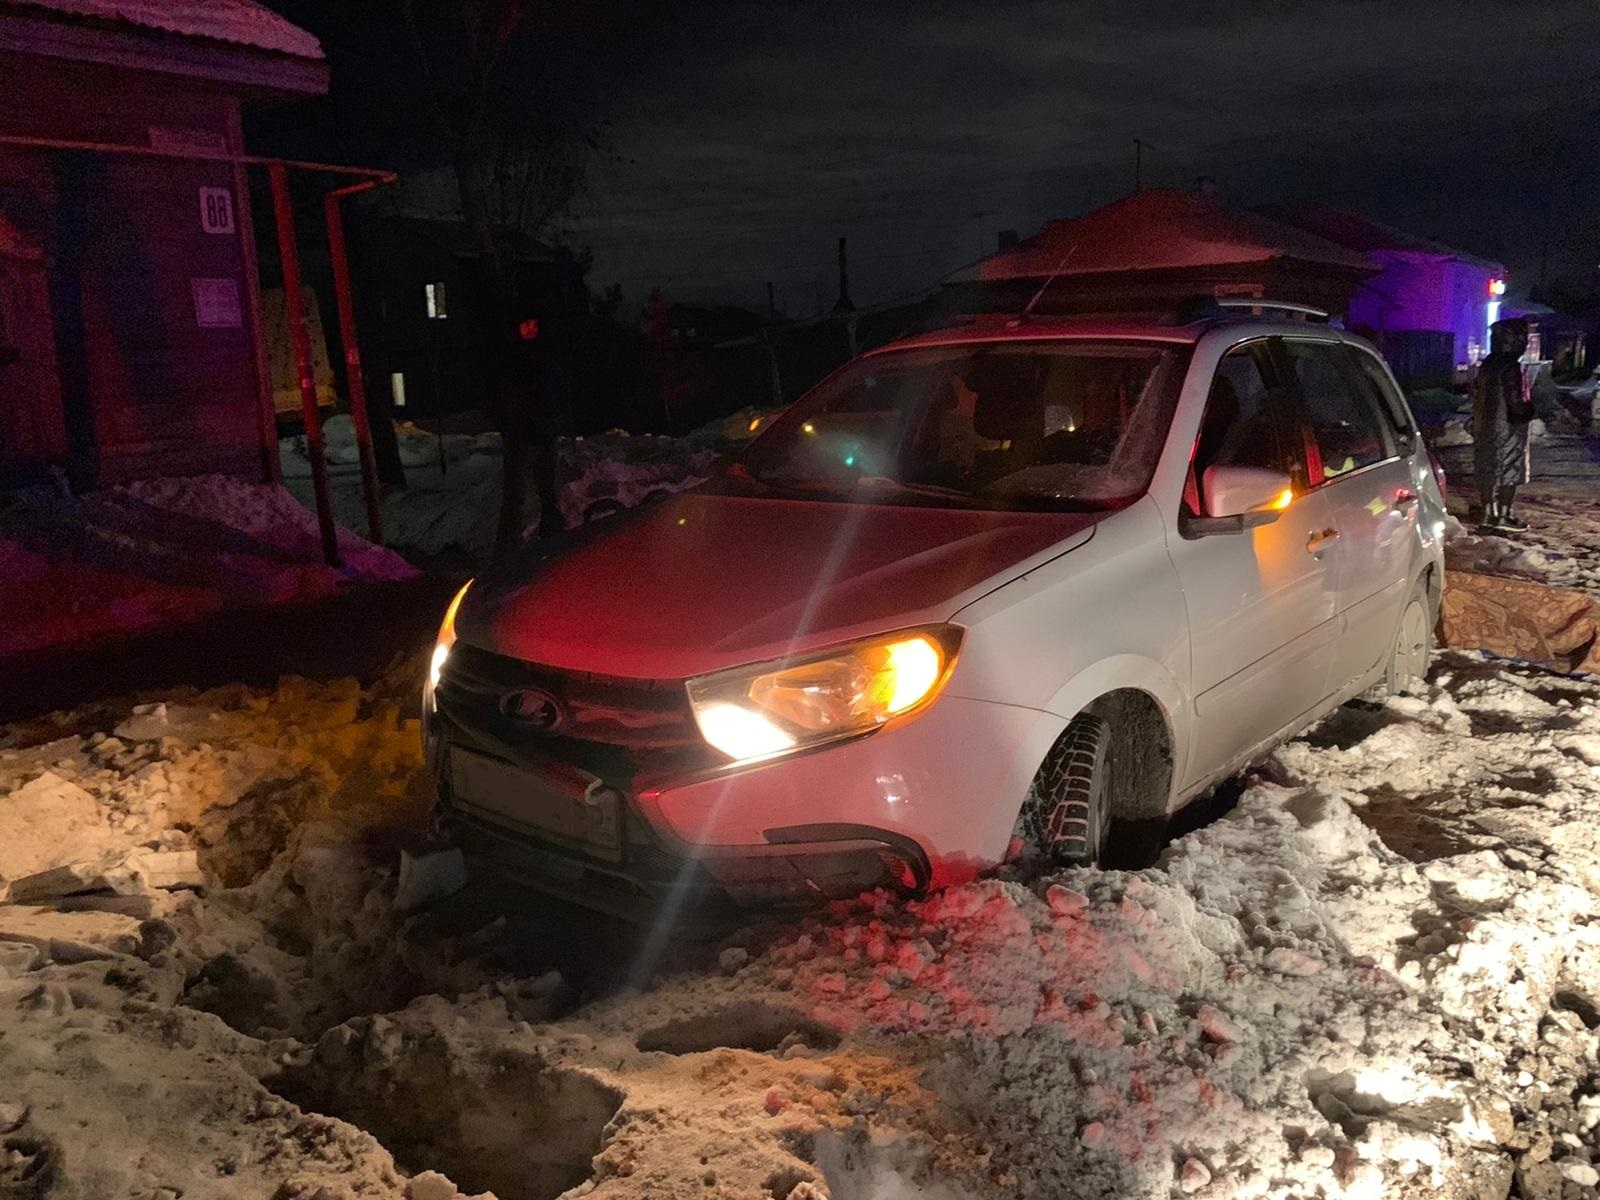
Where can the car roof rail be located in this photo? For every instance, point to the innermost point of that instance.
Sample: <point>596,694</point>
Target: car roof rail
<point>1213,308</point>
<point>1308,311</point>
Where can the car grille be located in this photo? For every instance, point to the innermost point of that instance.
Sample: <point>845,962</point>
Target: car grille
<point>629,732</point>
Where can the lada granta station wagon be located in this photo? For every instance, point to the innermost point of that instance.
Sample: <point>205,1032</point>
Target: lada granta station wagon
<point>978,592</point>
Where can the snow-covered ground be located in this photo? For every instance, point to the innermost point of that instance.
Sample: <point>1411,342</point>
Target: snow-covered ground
<point>1378,975</point>
<point>451,501</point>
<point>158,551</point>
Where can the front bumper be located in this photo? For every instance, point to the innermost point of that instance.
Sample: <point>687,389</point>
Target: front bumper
<point>916,804</point>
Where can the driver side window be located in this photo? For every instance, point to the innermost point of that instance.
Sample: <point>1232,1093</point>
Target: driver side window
<point>1247,423</point>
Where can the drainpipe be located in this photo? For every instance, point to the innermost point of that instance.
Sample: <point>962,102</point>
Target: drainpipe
<point>290,253</point>
<point>355,379</point>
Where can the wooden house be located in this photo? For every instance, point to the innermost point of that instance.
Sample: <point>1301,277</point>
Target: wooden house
<point>130,321</point>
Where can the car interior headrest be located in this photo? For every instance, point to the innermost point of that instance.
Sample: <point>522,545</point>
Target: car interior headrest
<point>1008,400</point>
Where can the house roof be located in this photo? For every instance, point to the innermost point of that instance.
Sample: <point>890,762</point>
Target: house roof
<point>454,236</point>
<point>1362,233</point>
<point>1160,229</point>
<point>231,22</point>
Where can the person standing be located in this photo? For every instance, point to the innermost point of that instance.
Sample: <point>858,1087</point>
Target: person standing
<point>1502,408</point>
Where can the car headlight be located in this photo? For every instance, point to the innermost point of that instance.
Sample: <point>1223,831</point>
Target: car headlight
<point>770,708</point>
<point>446,638</point>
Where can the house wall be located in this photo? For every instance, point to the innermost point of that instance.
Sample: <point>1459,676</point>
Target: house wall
<point>441,359</point>
<point>1467,306</point>
<point>1408,294</point>
<point>1425,293</point>
<point>146,389</point>
<point>32,430</point>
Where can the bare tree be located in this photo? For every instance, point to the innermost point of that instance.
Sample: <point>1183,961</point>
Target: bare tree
<point>515,173</point>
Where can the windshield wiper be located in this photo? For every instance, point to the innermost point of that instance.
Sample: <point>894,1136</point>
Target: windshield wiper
<point>882,483</point>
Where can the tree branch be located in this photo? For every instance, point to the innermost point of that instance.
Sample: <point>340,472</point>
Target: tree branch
<point>431,85</point>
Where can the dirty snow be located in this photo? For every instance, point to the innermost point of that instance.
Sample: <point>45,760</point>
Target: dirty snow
<point>137,556</point>
<point>1561,545</point>
<point>1376,976</point>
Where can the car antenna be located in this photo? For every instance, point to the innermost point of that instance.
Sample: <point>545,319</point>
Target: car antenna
<point>1022,317</point>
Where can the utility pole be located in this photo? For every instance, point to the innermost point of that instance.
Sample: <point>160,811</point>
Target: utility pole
<point>843,304</point>
<point>983,240</point>
<point>772,303</point>
<point>1139,147</point>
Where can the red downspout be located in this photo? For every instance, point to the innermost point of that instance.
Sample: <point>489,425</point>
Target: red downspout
<point>355,380</point>
<point>290,253</point>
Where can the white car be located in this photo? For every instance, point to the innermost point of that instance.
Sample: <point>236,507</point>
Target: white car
<point>978,590</point>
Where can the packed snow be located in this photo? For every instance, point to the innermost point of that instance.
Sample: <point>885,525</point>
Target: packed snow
<point>157,551</point>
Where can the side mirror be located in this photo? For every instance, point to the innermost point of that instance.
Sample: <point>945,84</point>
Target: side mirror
<point>1240,498</point>
<point>1230,491</point>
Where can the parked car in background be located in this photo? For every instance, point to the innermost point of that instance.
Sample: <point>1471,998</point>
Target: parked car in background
<point>980,591</point>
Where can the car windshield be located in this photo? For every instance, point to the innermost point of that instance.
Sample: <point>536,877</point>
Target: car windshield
<point>1059,425</point>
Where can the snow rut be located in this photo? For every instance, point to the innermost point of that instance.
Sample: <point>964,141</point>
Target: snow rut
<point>748,1026</point>
<point>503,1120</point>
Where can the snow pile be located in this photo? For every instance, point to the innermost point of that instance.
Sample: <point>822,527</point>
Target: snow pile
<point>119,1078</point>
<point>616,470</point>
<point>162,550</point>
<point>451,501</point>
<point>1491,554</point>
<point>1376,976</point>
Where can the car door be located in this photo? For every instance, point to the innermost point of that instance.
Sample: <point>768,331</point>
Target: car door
<point>1357,464</point>
<point>1261,603</point>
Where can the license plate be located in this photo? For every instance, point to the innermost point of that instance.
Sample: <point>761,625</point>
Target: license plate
<point>557,802</point>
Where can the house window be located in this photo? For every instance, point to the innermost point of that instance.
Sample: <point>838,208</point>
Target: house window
<point>397,388</point>
<point>433,295</point>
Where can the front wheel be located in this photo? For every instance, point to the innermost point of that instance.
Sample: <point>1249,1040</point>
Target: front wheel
<point>1413,643</point>
<point>1065,816</point>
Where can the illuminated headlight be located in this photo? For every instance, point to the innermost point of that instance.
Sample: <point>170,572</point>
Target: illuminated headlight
<point>774,707</point>
<point>446,639</point>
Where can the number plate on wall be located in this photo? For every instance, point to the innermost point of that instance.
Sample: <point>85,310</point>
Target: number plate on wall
<point>216,210</point>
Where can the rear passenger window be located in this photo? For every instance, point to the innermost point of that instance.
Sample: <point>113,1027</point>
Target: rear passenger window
<point>1247,424</point>
<point>1347,433</point>
<point>1382,389</point>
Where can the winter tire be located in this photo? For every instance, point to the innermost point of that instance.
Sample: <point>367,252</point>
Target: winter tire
<point>1413,643</point>
<point>1065,815</point>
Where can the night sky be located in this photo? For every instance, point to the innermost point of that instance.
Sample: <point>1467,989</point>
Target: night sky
<point>744,138</point>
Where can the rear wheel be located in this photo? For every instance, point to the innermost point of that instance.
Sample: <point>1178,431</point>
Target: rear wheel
<point>1413,643</point>
<point>1065,816</point>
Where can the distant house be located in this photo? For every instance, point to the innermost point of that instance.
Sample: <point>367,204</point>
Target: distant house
<point>1154,250</point>
<point>129,325</point>
<point>424,323</point>
<point>1560,339</point>
<point>1429,307</point>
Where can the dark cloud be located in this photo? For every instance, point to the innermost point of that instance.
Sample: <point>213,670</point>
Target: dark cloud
<point>748,136</point>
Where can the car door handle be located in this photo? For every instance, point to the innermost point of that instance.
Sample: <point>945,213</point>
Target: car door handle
<point>1318,542</point>
<point>1404,499</point>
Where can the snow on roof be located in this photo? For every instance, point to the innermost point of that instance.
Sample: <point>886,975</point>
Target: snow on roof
<point>237,22</point>
<point>1362,233</point>
<point>1159,229</point>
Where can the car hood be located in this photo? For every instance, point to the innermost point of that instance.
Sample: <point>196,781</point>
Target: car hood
<point>701,582</point>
